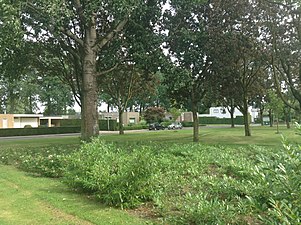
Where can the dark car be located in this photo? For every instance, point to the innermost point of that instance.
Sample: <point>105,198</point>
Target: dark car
<point>156,126</point>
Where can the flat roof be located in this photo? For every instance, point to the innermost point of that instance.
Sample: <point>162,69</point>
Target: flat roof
<point>52,117</point>
<point>28,115</point>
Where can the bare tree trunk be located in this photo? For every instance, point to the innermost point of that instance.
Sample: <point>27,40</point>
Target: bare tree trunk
<point>195,121</point>
<point>287,115</point>
<point>246,118</point>
<point>232,119</point>
<point>277,125</point>
<point>271,118</point>
<point>120,114</point>
<point>261,116</point>
<point>90,126</point>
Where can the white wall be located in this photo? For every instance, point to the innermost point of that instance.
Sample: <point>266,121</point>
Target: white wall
<point>222,112</point>
<point>20,122</point>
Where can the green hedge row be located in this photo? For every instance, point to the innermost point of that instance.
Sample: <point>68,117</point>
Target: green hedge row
<point>136,127</point>
<point>37,131</point>
<point>239,120</point>
<point>103,124</point>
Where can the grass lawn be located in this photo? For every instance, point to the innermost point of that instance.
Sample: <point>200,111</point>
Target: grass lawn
<point>264,136</point>
<point>25,199</point>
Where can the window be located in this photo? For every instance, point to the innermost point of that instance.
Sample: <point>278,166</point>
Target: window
<point>215,111</point>
<point>223,111</point>
<point>132,120</point>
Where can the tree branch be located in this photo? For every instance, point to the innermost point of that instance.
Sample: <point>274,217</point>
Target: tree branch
<point>108,70</point>
<point>102,42</point>
<point>72,36</point>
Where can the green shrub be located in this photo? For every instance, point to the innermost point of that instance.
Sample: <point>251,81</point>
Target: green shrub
<point>117,177</point>
<point>279,179</point>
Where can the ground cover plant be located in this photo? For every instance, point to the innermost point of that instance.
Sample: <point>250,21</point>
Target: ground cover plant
<point>193,184</point>
<point>178,182</point>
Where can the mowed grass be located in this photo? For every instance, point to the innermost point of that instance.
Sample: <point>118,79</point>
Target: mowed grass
<point>213,135</point>
<point>29,200</point>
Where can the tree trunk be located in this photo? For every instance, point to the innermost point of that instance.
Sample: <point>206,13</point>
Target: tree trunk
<point>232,119</point>
<point>271,118</point>
<point>261,116</point>
<point>90,126</point>
<point>120,114</point>
<point>195,122</point>
<point>287,117</point>
<point>246,118</point>
<point>277,125</point>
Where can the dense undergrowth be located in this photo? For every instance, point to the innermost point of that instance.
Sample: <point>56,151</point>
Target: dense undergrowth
<point>180,184</point>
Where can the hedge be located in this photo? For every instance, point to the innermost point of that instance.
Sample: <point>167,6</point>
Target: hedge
<point>239,120</point>
<point>103,124</point>
<point>37,131</point>
<point>136,127</point>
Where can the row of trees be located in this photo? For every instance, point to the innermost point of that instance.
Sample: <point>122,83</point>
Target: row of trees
<point>134,52</point>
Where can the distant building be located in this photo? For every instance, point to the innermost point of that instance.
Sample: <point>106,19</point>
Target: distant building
<point>19,120</point>
<point>222,112</point>
<point>128,117</point>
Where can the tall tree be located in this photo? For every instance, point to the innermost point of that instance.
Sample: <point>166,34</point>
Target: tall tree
<point>282,32</point>
<point>237,51</point>
<point>186,42</point>
<point>79,34</point>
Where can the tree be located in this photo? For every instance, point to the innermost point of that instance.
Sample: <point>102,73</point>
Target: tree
<point>54,95</point>
<point>154,114</point>
<point>126,83</point>
<point>276,105</point>
<point>175,113</point>
<point>80,34</point>
<point>186,44</point>
<point>281,23</point>
<point>237,51</point>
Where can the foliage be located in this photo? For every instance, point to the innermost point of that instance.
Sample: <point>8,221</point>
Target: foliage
<point>117,177</point>
<point>189,74</point>
<point>175,113</point>
<point>154,114</point>
<point>279,181</point>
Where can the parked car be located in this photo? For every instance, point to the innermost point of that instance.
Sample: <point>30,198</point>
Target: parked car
<point>156,126</point>
<point>174,126</point>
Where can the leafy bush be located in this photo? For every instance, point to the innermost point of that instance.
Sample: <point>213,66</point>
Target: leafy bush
<point>279,177</point>
<point>117,177</point>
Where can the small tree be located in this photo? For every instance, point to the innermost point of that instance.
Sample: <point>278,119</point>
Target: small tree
<point>154,114</point>
<point>276,105</point>
<point>175,113</point>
